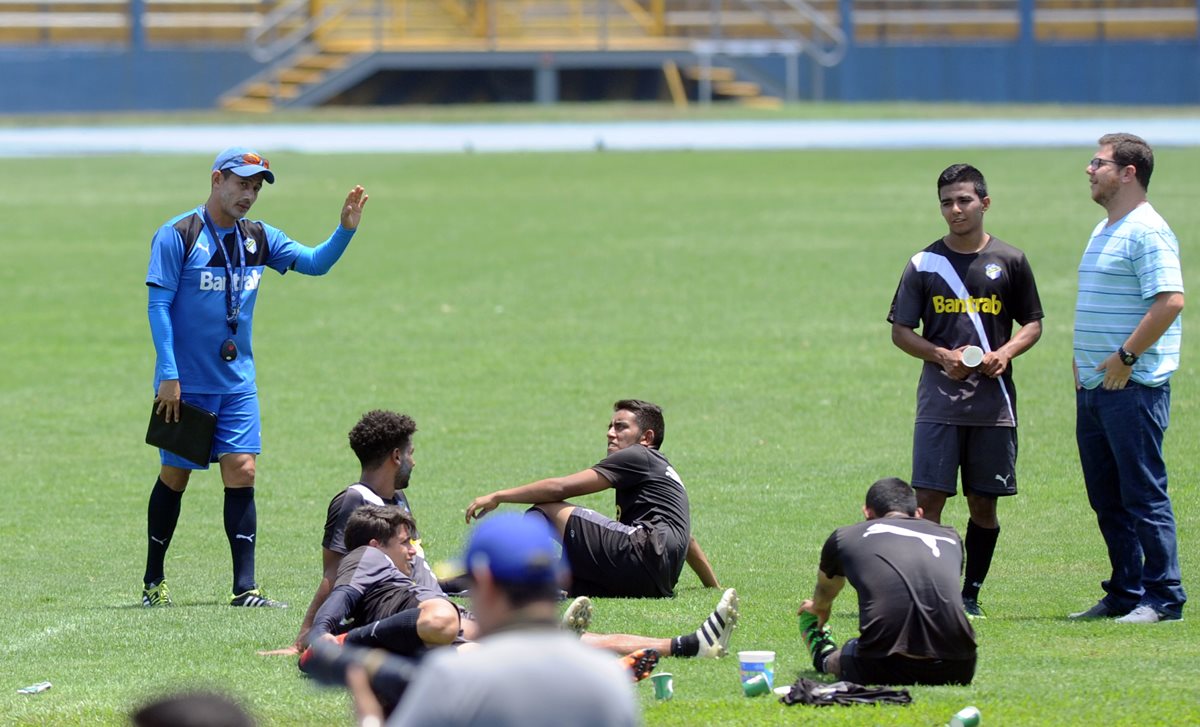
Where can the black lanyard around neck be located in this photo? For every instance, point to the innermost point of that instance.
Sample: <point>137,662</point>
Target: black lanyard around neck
<point>233,298</point>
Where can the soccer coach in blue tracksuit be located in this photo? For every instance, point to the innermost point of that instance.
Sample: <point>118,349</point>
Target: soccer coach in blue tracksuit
<point>205,268</point>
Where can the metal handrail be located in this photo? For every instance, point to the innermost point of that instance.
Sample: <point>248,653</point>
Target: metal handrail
<point>291,12</point>
<point>825,56</point>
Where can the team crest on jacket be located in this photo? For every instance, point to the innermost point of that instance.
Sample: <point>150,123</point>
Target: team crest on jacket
<point>992,270</point>
<point>252,247</point>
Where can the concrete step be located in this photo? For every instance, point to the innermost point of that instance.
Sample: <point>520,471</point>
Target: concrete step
<point>300,75</point>
<point>324,62</point>
<point>737,88</point>
<point>269,91</point>
<point>253,106</point>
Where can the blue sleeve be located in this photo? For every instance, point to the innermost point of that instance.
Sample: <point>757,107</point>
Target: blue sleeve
<point>1156,263</point>
<point>166,259</point>
<point>337,607</point>
<point>320,259</point>
<point>159,310</point>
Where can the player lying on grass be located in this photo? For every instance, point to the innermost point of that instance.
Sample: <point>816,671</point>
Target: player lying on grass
<point>906,571</point>
<point>641,553</point>
<point>524,671</point>
<point>387,609</point>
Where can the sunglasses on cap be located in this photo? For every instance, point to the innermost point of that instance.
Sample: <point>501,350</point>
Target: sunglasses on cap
<point>247,159</point>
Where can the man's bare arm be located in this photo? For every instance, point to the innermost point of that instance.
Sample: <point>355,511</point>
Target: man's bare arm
<point>699,563</point>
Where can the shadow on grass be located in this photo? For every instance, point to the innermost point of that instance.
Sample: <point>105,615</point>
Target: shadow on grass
<point>137,606</point>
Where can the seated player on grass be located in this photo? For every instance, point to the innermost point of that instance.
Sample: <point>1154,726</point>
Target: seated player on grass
<point>387,610</point>
<point>524,671</point>
<point>383,443</point>
<point>641,553</point>
<point>905,570</point>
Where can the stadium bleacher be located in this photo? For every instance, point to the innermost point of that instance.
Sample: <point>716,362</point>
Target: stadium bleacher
<point>303,42</point>
<point>398,24</point>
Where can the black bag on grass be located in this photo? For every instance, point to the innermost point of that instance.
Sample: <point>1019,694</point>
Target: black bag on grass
<point>820,694</point>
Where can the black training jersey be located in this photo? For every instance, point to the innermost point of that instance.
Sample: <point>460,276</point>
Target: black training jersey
<point>960,300</point>
<point>648,490</point>
<point>906,572</point>
<point>382,589</point>
<point>346,502</point>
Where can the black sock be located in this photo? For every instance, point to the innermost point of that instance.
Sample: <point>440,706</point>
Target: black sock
<point>686,645</point>
<point>819,661</point>
<point>162,515</point>
<point>455,584</point>
<point>241,527</point>
<point>396,633</point>
<point>980,545</point>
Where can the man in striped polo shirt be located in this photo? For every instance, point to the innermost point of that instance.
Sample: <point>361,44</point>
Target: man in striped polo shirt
<point>1127,336</point>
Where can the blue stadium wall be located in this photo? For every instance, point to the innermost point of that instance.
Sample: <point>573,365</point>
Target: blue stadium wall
<point>37,80</point>
<point>1111,72</point>
<point>41,80</point>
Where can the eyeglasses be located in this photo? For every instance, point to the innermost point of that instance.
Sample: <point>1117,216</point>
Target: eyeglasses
<point>249,158</point>
<point>1098,162</point>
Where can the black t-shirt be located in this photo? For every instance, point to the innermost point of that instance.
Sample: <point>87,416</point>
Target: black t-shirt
<point>958,300</point>
<point>650,493</point>
<point>346,502</point>
<point>906,572</point>
<point>648,490</point>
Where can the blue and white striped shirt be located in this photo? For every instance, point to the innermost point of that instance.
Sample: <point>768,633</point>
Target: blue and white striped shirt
<point>1125,266</point>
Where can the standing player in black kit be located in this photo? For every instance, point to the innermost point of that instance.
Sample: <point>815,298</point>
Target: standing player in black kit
<point>642,552</point>
<point>966,289</point>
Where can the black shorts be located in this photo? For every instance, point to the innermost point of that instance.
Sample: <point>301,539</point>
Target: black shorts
<point>900,670</point>
<point>606,558</point>
<point>987,457</point>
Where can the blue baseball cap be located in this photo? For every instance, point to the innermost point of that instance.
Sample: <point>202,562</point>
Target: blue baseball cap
<point>518,550</point>
<point>244,163</point>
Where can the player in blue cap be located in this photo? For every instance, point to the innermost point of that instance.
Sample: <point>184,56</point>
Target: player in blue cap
<point>206,265</point>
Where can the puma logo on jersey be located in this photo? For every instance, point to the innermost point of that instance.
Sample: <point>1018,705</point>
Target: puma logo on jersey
<point>929,540</point>
<point>1004,479</point>
<point>249,537</point>
<point>209,281</point>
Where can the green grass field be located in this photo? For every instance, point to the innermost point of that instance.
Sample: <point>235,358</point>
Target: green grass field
<point>505,301</point>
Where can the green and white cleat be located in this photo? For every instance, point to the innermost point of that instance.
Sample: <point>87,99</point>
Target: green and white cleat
<point>156,595</point>
<point>818,641</point>
<point>972,608</point>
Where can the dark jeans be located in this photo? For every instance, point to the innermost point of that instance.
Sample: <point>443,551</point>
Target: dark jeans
<point>1120,435</point>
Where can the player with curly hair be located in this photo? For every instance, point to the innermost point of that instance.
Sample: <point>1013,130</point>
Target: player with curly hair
<point>383,442</point>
